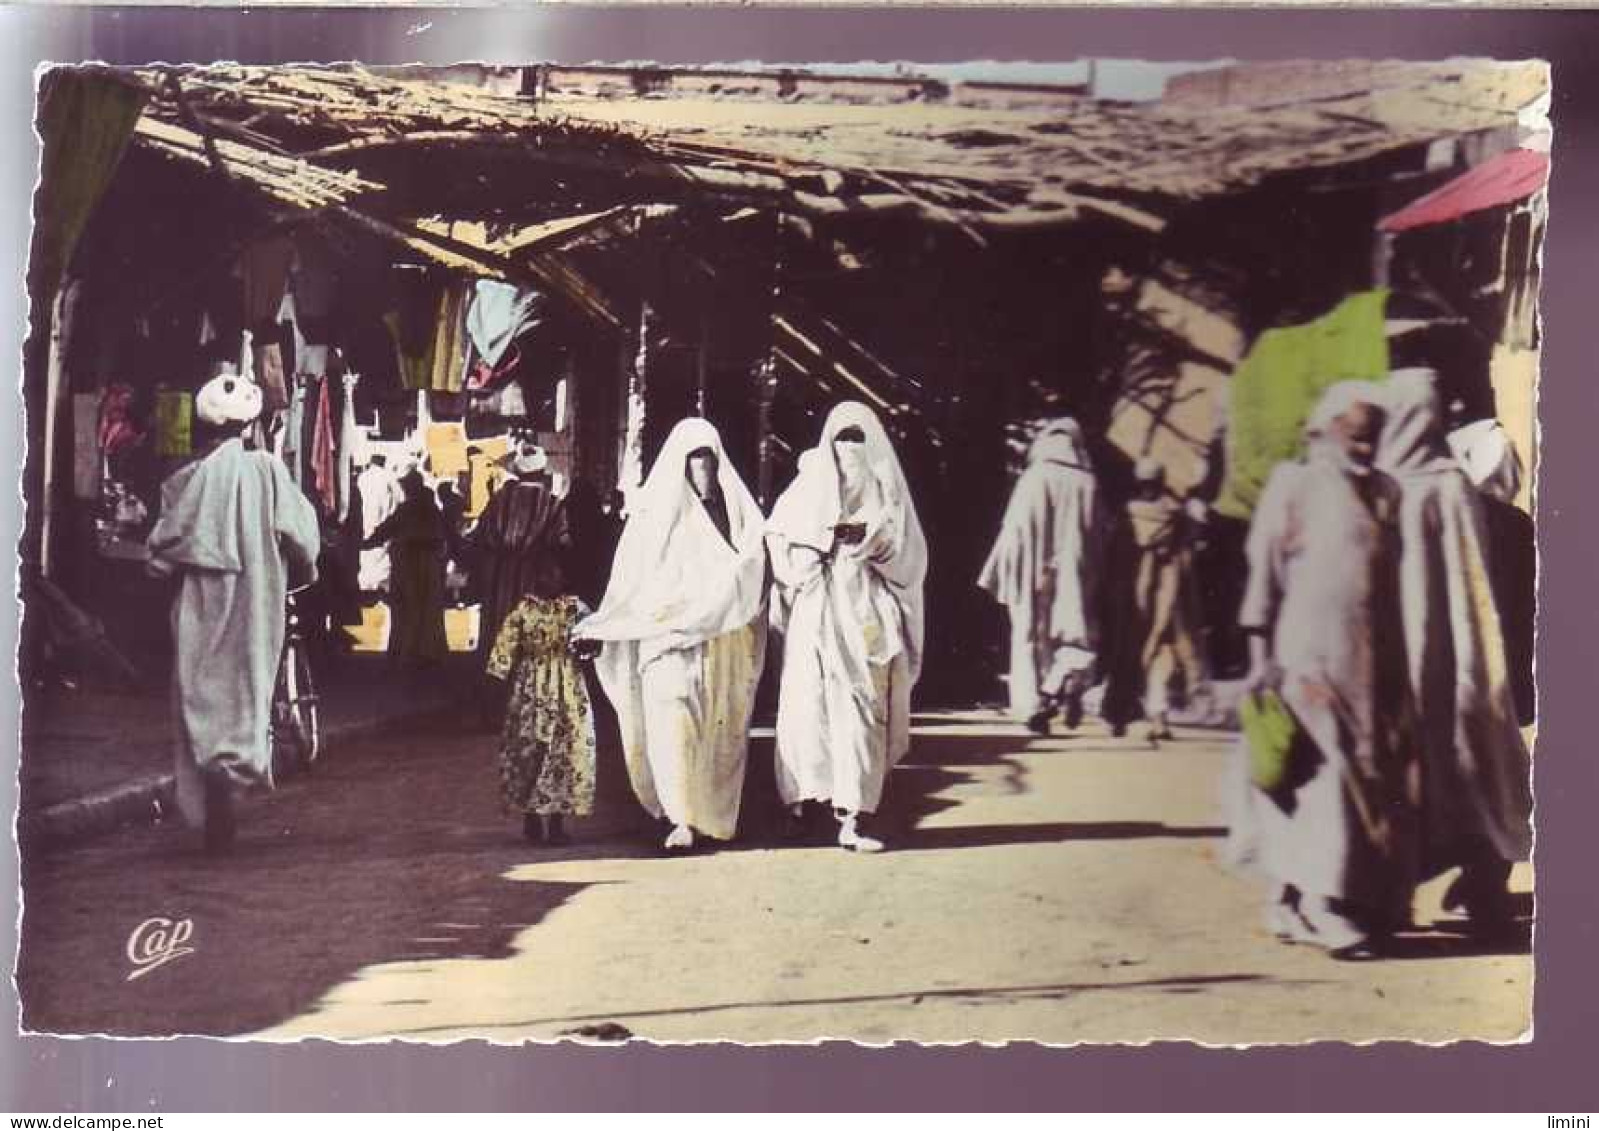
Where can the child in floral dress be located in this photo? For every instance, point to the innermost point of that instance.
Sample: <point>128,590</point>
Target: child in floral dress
<point>547,748</point>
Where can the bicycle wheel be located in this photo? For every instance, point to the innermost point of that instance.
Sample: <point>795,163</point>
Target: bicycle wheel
<point>304,705</point>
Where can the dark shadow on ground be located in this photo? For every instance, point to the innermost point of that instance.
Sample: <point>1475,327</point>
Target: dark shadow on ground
<point>388,851</point>
<point>988,836</point>
<point>1450,939</point>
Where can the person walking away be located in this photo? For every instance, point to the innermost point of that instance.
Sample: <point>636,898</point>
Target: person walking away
<point>233,528</point>
<point>850,559</point>
<point>682,630</point>
<point>524,521</point>
<point>1476,773</point>
<point>1165,603</point>
<point>1334,833</point>
<point>547,748</point>
<point>416,539</point>
<point>1043,570</point>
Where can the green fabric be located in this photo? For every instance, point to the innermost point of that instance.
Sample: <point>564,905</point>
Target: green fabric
<point>85,120</point>
<point>1279,382</point>
<point>1271,732</point>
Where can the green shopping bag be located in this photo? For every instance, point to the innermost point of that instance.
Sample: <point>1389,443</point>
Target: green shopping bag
<point>1272,733</point>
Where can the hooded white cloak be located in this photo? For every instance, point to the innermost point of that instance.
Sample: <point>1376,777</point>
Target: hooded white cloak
<point>1042,567</point>
<point>851,618</point>
<point>684,634</point>
<point>1477,773</point>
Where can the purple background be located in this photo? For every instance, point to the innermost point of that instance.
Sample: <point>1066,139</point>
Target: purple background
<point>1556,1073</point>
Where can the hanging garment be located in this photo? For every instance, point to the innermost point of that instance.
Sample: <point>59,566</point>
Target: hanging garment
<point>293,448</point>
<point>117,430</point>
<point>1043,568</point>
<point>324,456</point>
<point>174,423</point>
<point>86,459</point>
<point>685,638</point>
<point>315,279</point>
<point>350,440</point>
<point>482,377</point>
<point>850,614</point>
<point>1282,377</point>
<point>499,314</point>
<point>264,267</point>
<point>447,373</point>
<point>232,527</point>
<point>269,374</point>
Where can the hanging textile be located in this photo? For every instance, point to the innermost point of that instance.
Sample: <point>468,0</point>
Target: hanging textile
<point>264,267</point>
<point>174,423</point>
<point>1281,379</point>
<point>481,376</point>
<point>293,450</point>
<point>117,429</point>
<point>314,279</point>
<point>350,438</point>
<point>499,314</point>
<point>86,462</point>
<point>446,446</point>
<point>415,368</point>
<point>268,363</point>
<point>324,456</point>
<point>448,371</point>
<point>85,119</point>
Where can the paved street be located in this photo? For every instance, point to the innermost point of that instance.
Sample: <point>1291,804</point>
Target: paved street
<point>1062,890</point>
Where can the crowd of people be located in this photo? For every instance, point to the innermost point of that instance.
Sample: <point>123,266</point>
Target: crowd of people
<point>1376,640</point>
<point>1370,605</point>
<point>679,640</point>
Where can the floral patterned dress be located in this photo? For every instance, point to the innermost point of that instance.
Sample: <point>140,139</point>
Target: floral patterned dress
<point>547,749</point>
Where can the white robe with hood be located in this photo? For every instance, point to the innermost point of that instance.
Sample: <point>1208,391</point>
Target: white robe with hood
<point>232,526</point>
<point>1476,778</point>
<point>1042,567</point>
<point>851,618</point>
<point>684,632</point>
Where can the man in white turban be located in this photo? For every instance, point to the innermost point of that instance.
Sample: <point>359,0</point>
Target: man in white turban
<point>849,559</point>
<point>232,525</point>
<point>683,634</point>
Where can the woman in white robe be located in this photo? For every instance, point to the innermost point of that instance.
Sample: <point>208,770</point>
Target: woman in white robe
<point>1476,773</point>
<point>683,634</point>
<point>849,560</point>
<point>1335,837</point>
<point>1043,570</point>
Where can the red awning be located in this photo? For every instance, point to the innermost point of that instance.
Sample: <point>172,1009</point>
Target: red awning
<point>1500,180</point>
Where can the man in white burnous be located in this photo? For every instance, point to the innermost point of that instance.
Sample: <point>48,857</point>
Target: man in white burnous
<point>849,560</point>
<point>233,526</point>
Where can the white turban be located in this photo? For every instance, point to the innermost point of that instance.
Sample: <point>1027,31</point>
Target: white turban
<point>227,400</point>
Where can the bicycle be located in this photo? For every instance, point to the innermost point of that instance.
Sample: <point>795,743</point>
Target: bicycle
<point>296,725</point>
